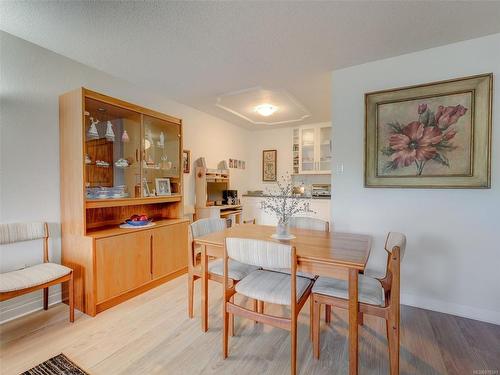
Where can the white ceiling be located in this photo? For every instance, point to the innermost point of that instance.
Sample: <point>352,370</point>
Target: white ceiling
<point>194,52</point>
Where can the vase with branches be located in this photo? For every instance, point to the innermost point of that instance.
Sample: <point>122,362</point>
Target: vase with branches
<point>283,204</point>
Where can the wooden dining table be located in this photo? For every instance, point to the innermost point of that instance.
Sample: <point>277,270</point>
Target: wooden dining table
<point>331,254</point>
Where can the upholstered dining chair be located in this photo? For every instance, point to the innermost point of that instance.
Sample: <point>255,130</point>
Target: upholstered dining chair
<point>39,276</point>
<point>263,285</point>
<point>378,297</point>
<point>237,271</point>
<point>311,223</point>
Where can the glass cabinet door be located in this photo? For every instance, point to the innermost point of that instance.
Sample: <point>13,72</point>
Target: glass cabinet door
<point>325,148</point>
<point>112,151</point>
<point>160,159</point>
<point>307,150</point>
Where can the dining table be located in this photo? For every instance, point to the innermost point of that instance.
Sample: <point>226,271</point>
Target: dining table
<point>331,254</point>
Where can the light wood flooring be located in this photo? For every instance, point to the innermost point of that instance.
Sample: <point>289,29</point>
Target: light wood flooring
<point>151,334</point>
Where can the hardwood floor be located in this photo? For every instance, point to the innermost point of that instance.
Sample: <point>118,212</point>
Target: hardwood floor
<point>151,334</point>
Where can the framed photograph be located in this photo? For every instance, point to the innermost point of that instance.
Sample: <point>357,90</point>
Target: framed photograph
<point>243,164</point>
<point>436,135</point>
<point>145,188</point>
<point>269,165</point>
<point>186,161</point>
<point>240,164</point>
<point>162,186</point>
<point>230,163</point>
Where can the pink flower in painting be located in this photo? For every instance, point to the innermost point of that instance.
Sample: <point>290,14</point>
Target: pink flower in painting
<point>447,116</point>
<point>449,134</point>
<point>422,107</point>
<point>415,143</point>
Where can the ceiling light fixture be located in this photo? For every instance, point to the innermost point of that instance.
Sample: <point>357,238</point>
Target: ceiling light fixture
<point>265,109</point>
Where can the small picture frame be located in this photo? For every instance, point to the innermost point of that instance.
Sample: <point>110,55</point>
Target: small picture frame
<point>145,188</point>
<point>186,161</point>
<point>163,186</point>
<point>230,163</point>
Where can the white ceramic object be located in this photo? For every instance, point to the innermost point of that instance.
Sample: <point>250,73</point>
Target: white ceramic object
<point>110,134</point>
<point>282,236</point>
<point>125,137</point>
<point>93,133</point>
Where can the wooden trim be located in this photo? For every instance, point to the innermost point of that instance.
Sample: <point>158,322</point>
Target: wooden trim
<point>275,321</point>
<point>130,106</point>
<point>15,293</point>
<point>135,292</point>
<point>46,243</point>
<point>99,203</point>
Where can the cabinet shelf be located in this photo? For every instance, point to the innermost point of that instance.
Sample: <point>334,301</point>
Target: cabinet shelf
<point>99,203</point>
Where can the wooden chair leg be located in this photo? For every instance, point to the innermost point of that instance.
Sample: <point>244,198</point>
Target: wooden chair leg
<point>225,333</point>
<point>393,340</point>
<point>311,320</point>
<point>316,328</point>
<point>328,314</point>
<point>71,299</point>
<point>231,320</point>
<point>46,298</point>
<point>190,295</point>
<point>260,308</point>
<point>255,308</point>
<point>361,319</point>
<point>293,346</point>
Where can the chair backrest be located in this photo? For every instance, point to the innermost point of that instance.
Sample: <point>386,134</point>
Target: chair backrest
<point>309,223</point>
<point>259,253</point>
<point>203,227</point>
<point>18,232</point>
<point>395,239</point>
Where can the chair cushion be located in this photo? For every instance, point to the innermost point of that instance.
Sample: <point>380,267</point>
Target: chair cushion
<point>370,290</point>
<point>237,270</point>
<point>31,276</point>
<point>287,271</point>
<point>271,287</point>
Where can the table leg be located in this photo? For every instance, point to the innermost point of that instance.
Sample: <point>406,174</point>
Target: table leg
<point>353,321</point>
<point>204,289</point>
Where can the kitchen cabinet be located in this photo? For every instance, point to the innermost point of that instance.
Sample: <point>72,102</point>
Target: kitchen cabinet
<point>312,149</point>
<point>252,210</point>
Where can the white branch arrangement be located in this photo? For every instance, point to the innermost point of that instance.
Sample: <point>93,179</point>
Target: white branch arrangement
<point>282,203</point>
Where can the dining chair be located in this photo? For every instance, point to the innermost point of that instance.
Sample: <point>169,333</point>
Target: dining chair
<point>36,277</point>
<point>237,270</point>
<point>311,223</point>
<point>264,285</point>
<point>378,297</point>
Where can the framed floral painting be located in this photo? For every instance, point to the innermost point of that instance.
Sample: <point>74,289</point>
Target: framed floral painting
<point>436,135</point>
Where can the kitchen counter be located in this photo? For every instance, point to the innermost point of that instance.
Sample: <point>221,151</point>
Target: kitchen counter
<point>267,195</point>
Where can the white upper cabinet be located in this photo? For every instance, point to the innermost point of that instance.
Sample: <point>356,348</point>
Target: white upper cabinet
<point>312,146</point>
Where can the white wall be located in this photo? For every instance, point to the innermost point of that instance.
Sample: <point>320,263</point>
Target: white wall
<point>453,254</point>
<point>32,78</point>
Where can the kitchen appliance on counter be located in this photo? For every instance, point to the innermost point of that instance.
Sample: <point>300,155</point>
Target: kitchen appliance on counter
<point>321,190</point>
<point>230,197</point>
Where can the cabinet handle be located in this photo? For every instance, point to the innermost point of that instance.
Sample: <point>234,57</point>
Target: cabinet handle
<point>136,155</point>
<point>151,255</point>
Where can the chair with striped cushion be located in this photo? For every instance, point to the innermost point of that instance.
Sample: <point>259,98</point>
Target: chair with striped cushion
<point>311,223</point>
<point>39,276</point>
<point>378,297</point>
<point>264,285</point>
<point>237,271</point>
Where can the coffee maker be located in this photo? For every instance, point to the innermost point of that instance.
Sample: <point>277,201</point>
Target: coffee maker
<point>230,197</point>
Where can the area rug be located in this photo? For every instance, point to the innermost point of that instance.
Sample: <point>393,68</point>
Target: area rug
<point>58,365</point>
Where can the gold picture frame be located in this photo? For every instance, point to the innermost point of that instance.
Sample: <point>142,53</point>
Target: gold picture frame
<point>434,135</point>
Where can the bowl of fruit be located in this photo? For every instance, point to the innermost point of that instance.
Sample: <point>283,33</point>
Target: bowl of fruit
<point>138,220</point>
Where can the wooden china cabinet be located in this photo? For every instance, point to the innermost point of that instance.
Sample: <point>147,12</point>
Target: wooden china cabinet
<point>112,155</point>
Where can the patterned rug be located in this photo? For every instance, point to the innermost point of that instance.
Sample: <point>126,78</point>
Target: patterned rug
<point>58,365</point>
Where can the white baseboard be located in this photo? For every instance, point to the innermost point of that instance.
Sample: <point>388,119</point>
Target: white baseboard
<point>484,315</point>
<point>16,309</point>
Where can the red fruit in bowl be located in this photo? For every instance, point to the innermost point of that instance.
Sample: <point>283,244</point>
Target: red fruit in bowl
<point>143,218</point>
<point>134,218</point>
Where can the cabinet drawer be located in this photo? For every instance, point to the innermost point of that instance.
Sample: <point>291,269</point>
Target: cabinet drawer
<point>170,249</point>
<point>122,263</point>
